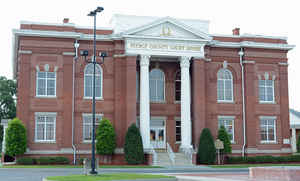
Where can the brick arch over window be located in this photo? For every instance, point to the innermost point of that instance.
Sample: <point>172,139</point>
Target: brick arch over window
<point>157,85</point>
<point>224,85</point>
<point>88,81</point>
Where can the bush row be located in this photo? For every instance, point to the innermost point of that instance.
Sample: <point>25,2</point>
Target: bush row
<point>42,160</point>
<point>264,159</point>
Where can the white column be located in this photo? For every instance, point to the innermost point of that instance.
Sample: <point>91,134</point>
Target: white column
<point>186,138</point>
<point>144,101</point>
<point>294,140</point>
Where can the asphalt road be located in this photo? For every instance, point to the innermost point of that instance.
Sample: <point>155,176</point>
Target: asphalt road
<point>36,174</point>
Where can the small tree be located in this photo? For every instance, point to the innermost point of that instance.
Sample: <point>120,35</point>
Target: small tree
<point>15,138</point>
<point>206,149</point>
<point>298,144</point>
<point>106,138</point>
<point>133,148</point>
<point>224,137</point>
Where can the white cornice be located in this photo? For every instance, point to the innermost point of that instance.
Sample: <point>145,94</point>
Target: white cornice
<point>250,44</point>
<point>165,38</point>
<point>39,33</point>
<point>47,24</point>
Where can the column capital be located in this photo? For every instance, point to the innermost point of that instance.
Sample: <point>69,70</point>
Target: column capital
<point>185,62</point>
<point>145,59</point>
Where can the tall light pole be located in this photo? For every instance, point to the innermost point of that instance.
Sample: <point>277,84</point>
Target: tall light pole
<point>85,53</point>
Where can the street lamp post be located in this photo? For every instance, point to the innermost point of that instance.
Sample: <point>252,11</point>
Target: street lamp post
<point>85,53</point>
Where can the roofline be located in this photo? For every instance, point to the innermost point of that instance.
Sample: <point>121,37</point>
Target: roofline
<point>246,35</point>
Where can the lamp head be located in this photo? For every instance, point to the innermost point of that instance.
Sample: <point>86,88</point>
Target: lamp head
<point>103,54</point>
<point>99,9</point>
<point>84,53</point>
<point>92,13</point>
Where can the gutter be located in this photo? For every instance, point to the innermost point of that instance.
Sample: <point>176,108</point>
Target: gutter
<point>76,45</point>
<point>241,54</point>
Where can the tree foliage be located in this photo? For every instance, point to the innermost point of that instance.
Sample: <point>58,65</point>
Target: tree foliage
<point>224,137</point>
<point>1,137</point>
<point>133,148</point>
<point>206,149</point>
<point>7,102</point>
<point>106,138</point>
<point>15,138</point>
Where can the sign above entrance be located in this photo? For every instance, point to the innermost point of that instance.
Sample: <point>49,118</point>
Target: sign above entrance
<point>163,47</point>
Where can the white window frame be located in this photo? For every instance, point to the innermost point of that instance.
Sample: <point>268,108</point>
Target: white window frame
<point>178,119</point>
<point>91,124</point>
<point>225,119</point>
<point>175,81</point>
<point>45,114</point>
<point>265,91</point>
<point>223,82</point>
<point>101,83</point>
<point>164,88</point>
<point>273,118</point>
<point>46,79</point>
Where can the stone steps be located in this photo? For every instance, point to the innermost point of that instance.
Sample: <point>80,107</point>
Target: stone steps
<point>163,159</point>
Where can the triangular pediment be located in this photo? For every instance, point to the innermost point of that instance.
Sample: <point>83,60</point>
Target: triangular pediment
<point>167,28</point>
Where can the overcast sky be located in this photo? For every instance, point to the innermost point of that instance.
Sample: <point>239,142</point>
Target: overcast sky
<point>264,17</point>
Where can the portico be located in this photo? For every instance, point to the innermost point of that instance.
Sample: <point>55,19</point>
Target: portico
<point>165,38</point>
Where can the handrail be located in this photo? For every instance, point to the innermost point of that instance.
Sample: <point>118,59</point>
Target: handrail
<point>154,161</point>
<point>189,153</point>
<point>171,153</point>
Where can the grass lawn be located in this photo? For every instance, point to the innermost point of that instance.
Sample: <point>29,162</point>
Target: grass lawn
<point>114,176</point>
<point>77,166</point>
<point>250,165</point>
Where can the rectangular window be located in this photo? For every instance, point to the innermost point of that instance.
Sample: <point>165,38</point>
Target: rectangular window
<point>45,127</point>
<point>88,125</point>
<point>268,129</point>
<point>266,90</point>
<point>178,130</point>
<point>228,123</point>
<point>46,84</point>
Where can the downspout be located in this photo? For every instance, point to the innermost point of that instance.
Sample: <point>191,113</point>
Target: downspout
<point>241,54</point>
<point>76,45</point>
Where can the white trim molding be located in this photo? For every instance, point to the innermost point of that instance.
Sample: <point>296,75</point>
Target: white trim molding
<point>69,53</point>
<point>25,52</point>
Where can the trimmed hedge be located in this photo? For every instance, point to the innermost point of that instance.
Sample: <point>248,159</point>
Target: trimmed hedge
<point>263,159</point>
<point>26,161</point>
<point>43,161</point>
<point>206,148</point>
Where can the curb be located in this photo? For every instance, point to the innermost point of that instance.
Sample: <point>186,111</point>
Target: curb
<point>157,179</point>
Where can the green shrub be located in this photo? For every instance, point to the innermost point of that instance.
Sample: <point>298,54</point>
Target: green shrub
<point>264,159</point>
<point>133,148</point>
<point>1,137</point>
<point>224,137</point>
<point>298,144</point>
<point>15,138</point>
<point>206,149</point>
<point>26,161</point>
<point>52,160</point>
<point>106,138</point>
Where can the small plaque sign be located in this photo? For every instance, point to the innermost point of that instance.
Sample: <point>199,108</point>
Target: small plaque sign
<point>219,144</point>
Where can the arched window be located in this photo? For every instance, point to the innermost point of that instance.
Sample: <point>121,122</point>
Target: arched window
<point>225,86</point>
<point>157,85</point>
<point>177,86</point>
<point>88,81</point>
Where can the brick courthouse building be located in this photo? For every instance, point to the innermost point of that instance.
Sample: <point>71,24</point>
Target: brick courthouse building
<point>170,76</point>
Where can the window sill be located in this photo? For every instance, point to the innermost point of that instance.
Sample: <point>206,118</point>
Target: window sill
<point>178,142</point>
<point>96,98</point>
<point>88,141</point>
<point>177,102</point>
<point>267,102</point>
<point>50,97</point>
<point>226,102</point>
<point>268,142</point>
<point>43,141</point>
<point>157,102</point>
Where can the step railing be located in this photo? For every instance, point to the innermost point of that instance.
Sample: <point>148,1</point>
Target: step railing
<point>154,155</point>
<point>188,152</point>
<point>171,153</point>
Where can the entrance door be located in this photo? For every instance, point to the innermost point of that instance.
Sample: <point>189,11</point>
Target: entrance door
<point>157,133</point>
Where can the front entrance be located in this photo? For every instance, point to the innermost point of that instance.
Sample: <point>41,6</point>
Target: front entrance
<point>157,133</point>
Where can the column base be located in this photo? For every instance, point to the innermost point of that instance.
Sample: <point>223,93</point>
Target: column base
<point>186,148</point>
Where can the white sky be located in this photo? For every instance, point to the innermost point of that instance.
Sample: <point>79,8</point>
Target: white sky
<point>264,17</point>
